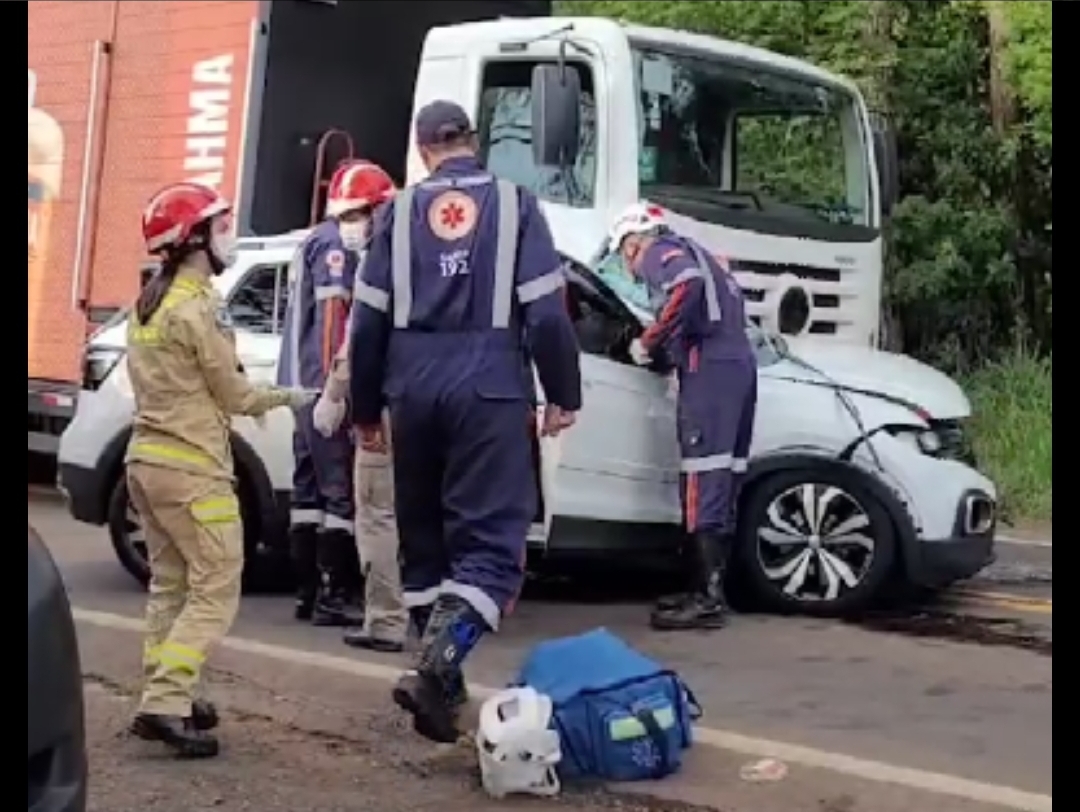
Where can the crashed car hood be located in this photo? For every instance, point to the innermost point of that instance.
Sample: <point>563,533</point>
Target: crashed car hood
<point>867,371</point>
<point>874,372</point>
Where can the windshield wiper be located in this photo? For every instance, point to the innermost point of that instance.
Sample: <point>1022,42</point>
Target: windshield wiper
<point>728,198</point>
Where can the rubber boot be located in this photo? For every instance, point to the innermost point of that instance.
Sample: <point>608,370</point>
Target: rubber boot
<point>302,549</point>
<point>433,693</point>
<point>177,733</point>
<point>331,605</point>
<point>706,607</point>
<point>204,715</point>
<point>457,692</point>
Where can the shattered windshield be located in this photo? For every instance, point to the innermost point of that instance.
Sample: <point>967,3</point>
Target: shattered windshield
<point>736,137</point>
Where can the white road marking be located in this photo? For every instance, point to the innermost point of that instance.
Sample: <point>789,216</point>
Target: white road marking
<point>1018,542</point>
<point>880,772</point>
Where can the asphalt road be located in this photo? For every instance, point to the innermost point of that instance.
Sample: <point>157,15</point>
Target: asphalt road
<point>947,708</point>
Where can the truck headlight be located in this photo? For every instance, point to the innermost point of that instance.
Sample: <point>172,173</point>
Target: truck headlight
<point>98,364</point>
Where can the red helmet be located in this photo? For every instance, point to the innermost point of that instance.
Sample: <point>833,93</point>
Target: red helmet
<point>357,185</point>
<point>174,212</point>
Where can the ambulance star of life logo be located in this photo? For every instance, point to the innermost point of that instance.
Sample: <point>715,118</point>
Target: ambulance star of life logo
<point>452,215</point>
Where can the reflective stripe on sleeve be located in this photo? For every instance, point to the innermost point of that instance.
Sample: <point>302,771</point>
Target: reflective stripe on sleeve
<point>373,297</point>
<point>326,292</point>
<point>541,286</point>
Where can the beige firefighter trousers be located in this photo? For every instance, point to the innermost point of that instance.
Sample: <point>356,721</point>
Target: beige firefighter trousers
<point>195,543</point>
<point>385,615</point>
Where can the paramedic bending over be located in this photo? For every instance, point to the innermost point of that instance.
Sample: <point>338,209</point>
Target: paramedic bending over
<point>187,384</point>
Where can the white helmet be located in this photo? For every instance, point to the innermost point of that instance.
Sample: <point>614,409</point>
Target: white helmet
<point>638,218</point>
<point>518,751</point>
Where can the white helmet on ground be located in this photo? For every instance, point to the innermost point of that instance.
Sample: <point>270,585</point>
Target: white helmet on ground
<point>637,218</point>
<point>518,751</point>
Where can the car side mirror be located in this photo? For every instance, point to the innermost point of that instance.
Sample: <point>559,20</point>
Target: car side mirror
<point>556,114</point>
<point>886,156</point>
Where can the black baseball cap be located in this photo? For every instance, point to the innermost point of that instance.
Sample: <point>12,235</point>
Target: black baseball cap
<point>441,121</point>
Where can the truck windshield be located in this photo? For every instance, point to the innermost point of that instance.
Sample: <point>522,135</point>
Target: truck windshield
<point>750,146</point>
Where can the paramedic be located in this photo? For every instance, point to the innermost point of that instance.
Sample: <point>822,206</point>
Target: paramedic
<point>186,382</point>
<point>385,617</point>
<point>322,274</point>
<point>460,269</point>
<point>701,329</point>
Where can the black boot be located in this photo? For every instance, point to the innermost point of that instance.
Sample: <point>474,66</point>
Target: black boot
<point>177,733</point>
<point>332,605</point>
<point>706,607</point>
<point>204,715</point>
<point>433,694</point>
<point>302,548</point>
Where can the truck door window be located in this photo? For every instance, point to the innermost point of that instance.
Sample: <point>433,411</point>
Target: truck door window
<point>257,304</point>
<point>505,133</point>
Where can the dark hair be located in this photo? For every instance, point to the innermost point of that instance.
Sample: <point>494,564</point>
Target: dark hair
<point>153,292</point>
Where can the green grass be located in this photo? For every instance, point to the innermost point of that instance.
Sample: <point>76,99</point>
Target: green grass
<point>1013,432</point>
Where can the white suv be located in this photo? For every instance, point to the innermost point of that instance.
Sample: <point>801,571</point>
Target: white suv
<point>860,476</point>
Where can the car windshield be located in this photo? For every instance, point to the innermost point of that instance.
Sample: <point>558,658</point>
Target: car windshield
<point>609,271</point>
<point>729,138</point>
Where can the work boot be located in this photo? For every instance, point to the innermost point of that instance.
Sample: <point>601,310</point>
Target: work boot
<point>433,693</point>
<point>358,638</point>
<point>177,733</point>
<point>333,606</point>
<point>706,606</point>
<point>302,550</point>
<point>204,715</point>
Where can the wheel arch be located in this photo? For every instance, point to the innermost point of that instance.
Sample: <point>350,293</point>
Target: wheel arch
<point>251,473</point>
<point>763,467</point>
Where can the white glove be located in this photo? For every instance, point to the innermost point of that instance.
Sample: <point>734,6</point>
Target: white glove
<point>638,354</point>
<point>328,415</point>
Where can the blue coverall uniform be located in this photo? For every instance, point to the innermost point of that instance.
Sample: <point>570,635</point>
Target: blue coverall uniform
<point>701,328</point>
<point>322,276</point>
<point>461,280</point>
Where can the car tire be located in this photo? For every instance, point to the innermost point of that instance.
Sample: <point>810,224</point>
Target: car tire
<point>261,572</point>
<point>836,573</point>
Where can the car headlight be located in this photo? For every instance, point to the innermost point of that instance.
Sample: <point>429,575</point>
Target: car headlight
<point>921,438</point>
<point>98,364</point>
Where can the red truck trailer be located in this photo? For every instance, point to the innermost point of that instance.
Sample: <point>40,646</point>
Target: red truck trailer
<point>258,98</point>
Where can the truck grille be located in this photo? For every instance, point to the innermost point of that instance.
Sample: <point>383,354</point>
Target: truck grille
<point>824,287</point>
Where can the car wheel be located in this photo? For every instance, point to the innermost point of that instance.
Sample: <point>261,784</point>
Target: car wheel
<point>261,571</point>
<point>126,534</point>
<point>816,541</point>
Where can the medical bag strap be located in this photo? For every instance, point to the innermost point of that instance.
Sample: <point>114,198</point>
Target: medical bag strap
<point>712,300</point>
<point>506,250</point>
<point>401,258</point>
<point>663,766</point>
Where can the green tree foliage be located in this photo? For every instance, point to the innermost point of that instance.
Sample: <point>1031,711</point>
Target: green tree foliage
<point>969,270</point>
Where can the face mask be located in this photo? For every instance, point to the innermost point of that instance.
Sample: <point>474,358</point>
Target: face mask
<point>353,235</point>
<point>223,250</point>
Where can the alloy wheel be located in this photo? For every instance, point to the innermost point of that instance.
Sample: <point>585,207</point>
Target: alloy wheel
<point>815,543</point>
<point>134,535</point>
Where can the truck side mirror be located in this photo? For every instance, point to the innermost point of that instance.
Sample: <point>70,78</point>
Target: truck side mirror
<point>887,157</point>
<point>556,114</point>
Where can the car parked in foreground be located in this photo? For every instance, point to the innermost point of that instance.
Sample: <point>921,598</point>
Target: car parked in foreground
<point>860,473</point>
<point>56,769</point>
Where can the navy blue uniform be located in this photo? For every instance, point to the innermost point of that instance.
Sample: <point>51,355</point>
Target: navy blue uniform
<point>460,280</point>
<point>702,328</point>
<point>321,280</point>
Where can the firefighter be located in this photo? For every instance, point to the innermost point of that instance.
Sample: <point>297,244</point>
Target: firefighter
<point>322,275</point>
<point>385,617</point>
<point>701,329</point>
<point>461,267</point>
<point>187,383</point>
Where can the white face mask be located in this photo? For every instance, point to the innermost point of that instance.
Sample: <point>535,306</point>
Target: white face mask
<point>353,234</point>
<point>223,247</point>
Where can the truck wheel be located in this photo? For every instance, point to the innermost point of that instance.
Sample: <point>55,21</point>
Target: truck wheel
<point>815,541</point>
<point>261,572</point>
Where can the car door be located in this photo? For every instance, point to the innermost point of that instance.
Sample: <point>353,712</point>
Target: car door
<point>619,462</point>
